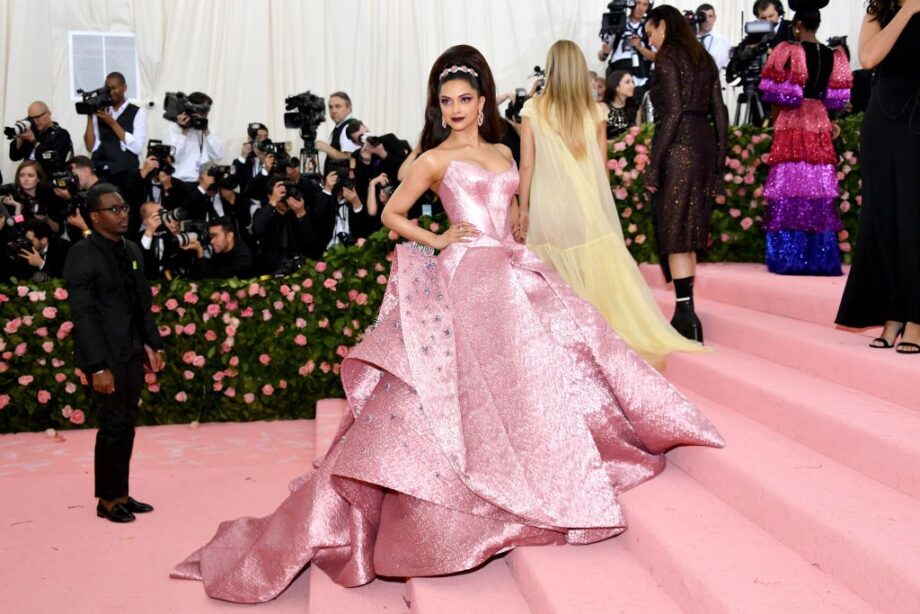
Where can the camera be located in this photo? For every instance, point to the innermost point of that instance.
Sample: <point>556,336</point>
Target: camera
<point>9,189</point>
<point>613,22</point>
<point>163,153</point>
<point>346,176</point>
<point>290,265</point>
<point>695,18</point>
<point>748,61</point>
<point>65,180</point>
<point>174,215</point>
<point>96,100</point>
<point>17,129</point>
<point>191,232</point>
<point>305,112</point>
<point>177,103</point>
<point>224,177</point>
<point>370,139</point>
<point>283,160</point>
<point>385,190</point>
<point>292,190</point>
<point>346,238</point>
<point>19,244</point>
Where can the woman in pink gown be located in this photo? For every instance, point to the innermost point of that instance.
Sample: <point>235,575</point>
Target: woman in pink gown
<point>490,407</point>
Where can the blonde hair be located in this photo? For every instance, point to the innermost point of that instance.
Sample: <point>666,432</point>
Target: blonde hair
<point>566,101</point>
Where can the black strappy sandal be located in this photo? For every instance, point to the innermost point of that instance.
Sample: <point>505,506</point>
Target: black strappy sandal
<point>880,343</point>
<point>901,348</point>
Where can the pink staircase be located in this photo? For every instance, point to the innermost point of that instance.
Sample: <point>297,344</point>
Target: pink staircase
<point>813,506</point>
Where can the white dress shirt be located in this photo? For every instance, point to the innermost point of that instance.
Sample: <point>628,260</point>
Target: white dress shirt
<point>717,46</point>
<point>134,140</point>
<point>192,150</point>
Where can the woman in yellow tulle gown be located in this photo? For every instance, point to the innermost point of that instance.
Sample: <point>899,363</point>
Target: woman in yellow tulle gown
<point>567,212</point>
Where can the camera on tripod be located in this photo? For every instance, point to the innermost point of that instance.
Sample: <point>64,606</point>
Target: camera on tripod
<point>164,155</point>
<point>17,129</point>
<point>177,103</point>
<point>305,112</point>
<point>94,101</point>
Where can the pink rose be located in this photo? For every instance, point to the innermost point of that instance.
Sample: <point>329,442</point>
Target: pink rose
<point>190,297</point>
<point>77,417</point>
<point>734,212</point>
<point>306,368</point>
<point>283,384</point>
<point>4,400</point>
<point>340,305</point>
<point>189,374</point>
<point>199,361</point>
<point>320,266</point>
<point>620,193</point>
<point>306,297</point>
<point>747,223</point>
<point>347,331</point>
<point>300,340</point>
<point>67,411</point>
<point>845,247</point>
<point>278,305</point>
<point>70,388</point>
<point>640,239</point>
<point>217,387</point>
<point>325,367</point>
<point>844,206</point>
<point>189,357</point>
<point>392,236</point>
<point>285,289</point>
<point>25,380</point>
<point>230,392</point>
<point>171,304</point>
<point>379,268</point>
<point>43,396</point>
<point>181,396</point>
<point>59,378</point>
<point>234,361</point>
<point>22,291</point>
<point>342,351</point>
<point>268,390</point>
<point>210,335</point>
<point>20,349</point>
<point>361,299</point>
<point>12,326</point>
<point>190,329</point>
<point>265,359</point>
<point>4,367</point>
<point>60,294</point>
<point>330,284</point>
<point>218,376</point>
<point>300,323</point>
<point>49,312</point>
<point>724,237</point>
<point>324,323</point>
<point>213,310</point>
<point>843,235</point>
<point>266,315</point>
<point>720,199</point>
<point>248,398</point>
<point>150,378</point>
<point>360,242</point>
<point>381,280</point>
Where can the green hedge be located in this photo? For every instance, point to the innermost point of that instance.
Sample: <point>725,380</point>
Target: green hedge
<point>270,348</point>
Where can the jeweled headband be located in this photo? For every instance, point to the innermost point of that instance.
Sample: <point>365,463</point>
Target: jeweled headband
<point>455,69</point>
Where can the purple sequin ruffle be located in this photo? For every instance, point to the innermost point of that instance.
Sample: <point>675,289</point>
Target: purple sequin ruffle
<point>786,93</point>
<point>836,100</point>
<point>809,215</point>
<point>802,180</point>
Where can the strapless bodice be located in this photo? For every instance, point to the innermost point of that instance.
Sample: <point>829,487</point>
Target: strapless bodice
<point>480,197</point>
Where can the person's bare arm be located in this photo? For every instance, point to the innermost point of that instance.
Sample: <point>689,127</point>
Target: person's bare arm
<point>876,42</point>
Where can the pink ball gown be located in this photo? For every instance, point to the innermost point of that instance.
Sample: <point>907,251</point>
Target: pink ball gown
<point>490,408</point>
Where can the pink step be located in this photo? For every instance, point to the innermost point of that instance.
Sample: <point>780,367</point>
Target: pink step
<point>859,532</point>
<point>714,561</point>
<point>596,579</point>
<point>810,299</point>
<point>329,413</point>
<point>378,597</point>
<point>490,588</point>
<point>868,434</point>
<point>828,353</point>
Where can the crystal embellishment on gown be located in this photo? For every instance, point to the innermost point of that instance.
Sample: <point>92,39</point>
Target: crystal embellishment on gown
<point>494,410</point>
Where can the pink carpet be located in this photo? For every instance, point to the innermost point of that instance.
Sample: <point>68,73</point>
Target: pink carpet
<point>812,507</point>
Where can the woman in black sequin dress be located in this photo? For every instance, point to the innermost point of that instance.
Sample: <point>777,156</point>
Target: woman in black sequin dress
<point>622,109</point>
<point>688,154</point>
<point>884,282</point>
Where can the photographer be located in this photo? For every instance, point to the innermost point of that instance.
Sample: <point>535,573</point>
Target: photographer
<point>31,196</point>
<point>773,12</point>
<point>160,242</point>
<point>194,145</point>
<point>82,178</point>
<point>10,265</point>
<point>375,155</point>
<point>115,136</point>
<point>339,213</point>
<point>47,254</point>
<point>629,49</point>
<point>284,228</point>
<point>251,159</point>
<point>715,44</point>
<point>226,257</point>
<point>338,147</point>
<point>214,196</point>
<point>43,135</point>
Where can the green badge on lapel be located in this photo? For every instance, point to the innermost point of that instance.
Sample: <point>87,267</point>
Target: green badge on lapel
<point>134,264</point>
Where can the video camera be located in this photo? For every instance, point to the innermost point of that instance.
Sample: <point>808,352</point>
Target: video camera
<point>747,61</point>
<point>163,153</point>
<point>224,177</point>
<point>18,128</point>
<point>305,112</point>
<point>177,103</point>
<point>695,18</point>
<point>94,101</point>
<point>613,22</point>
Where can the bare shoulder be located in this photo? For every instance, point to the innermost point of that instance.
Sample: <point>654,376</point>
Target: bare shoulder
<point>505,152</point>
<point>431,163</point>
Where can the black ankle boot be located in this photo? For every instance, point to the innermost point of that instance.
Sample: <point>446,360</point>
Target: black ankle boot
<point>685,321</point>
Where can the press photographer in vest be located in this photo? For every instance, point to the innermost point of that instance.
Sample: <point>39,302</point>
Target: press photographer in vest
<point>338,147</point>
<point>116,134</point>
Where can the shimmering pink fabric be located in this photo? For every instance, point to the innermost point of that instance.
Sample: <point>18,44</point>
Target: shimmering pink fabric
<point>490,408</point>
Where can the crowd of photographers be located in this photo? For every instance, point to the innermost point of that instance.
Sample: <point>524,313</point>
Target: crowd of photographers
<point>194,213</point>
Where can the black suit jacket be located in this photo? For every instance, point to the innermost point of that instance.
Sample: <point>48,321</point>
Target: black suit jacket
<point>236,263</point>
<point>54,139</point>
<point>99,305</point>
<point>55,257</point>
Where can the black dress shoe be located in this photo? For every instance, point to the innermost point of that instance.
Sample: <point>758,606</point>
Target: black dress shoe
<point>136,507</point>
<point>686,322</point>
<point>118,513</point>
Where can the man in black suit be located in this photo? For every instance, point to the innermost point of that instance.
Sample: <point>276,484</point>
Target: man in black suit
<point>48,251</point>
<point>44,136</point>
<point>110,302</point>
<point>227,257</point>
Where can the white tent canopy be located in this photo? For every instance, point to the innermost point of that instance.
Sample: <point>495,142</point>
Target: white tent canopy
<point>249,54</point>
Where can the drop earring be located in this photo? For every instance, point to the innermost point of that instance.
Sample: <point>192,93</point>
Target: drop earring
<point>481,118</point>
<point>443,123</point>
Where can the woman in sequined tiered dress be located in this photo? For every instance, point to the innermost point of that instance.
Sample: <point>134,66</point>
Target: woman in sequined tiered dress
<point>489,408</point>
<point>804,80</point>
<point>688,154</point>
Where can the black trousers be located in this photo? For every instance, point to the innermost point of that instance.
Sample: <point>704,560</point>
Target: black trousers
<point>116,414</point>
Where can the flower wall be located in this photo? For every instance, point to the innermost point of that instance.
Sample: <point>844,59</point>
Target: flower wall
<point>270,348</point>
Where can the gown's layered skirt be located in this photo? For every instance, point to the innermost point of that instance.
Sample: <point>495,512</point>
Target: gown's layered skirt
<point>489,408</point>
